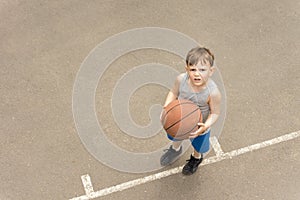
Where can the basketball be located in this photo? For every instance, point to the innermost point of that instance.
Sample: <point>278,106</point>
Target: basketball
<point>180,118</point>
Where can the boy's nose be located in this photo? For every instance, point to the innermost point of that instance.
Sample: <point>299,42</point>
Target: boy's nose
<point>197,73</point>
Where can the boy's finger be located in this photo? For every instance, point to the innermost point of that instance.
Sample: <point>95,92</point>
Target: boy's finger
<point>192,136</point>
<point>201,124</point>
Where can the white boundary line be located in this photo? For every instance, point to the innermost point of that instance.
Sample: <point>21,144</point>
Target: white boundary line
<point>220,155</point>
<point>87,185</point>
<point>216,146</point>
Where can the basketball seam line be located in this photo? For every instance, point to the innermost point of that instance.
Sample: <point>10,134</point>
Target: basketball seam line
<point>179,105</point>
<point>182,119</point>
<point>180,138</point>
<point>188,131</point>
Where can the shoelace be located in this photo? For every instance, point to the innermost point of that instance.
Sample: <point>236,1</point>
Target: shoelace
<point>193,160</point>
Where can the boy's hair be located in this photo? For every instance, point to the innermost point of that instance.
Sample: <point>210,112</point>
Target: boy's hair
<point>199,54</point>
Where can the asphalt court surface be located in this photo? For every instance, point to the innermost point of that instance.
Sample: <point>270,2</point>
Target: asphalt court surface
<point>256,44</point>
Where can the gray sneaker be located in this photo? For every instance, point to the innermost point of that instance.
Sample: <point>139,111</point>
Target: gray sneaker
<point>170,156</point>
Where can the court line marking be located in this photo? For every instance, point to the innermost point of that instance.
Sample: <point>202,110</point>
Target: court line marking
<point>216,146</point>
<point>87,185</point>
<point>90,194</point>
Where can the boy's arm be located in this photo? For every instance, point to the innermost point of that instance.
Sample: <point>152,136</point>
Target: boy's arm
<point>174,92</point>
<point>215,109</point>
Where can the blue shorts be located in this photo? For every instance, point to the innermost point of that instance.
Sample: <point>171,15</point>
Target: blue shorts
<point>201,143</point>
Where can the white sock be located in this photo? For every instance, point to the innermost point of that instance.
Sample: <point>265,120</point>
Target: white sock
<point>176,149</point>
<point>201,155</point>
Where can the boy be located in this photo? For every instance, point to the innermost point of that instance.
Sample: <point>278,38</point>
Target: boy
<point>197,86</point>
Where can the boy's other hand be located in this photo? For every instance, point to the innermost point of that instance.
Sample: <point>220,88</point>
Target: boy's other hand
<point>161,114</point>
<point>200,131</point>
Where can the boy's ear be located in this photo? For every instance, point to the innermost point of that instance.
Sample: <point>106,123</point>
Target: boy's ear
<point>212,70</point>
<point>186,68</point>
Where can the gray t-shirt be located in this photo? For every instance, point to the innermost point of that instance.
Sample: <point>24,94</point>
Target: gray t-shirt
<point>199,98</point>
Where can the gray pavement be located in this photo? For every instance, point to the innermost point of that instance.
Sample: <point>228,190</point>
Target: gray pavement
<point>43,43</point>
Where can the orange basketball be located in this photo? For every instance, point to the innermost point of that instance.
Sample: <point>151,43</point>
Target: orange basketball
<point>180,118</point>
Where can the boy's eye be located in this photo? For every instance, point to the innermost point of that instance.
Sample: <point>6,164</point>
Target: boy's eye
<point>200,70</point>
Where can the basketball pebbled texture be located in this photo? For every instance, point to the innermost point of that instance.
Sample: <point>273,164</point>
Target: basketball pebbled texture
<point>180,118</point>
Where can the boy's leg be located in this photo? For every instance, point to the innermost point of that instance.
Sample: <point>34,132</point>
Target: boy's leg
<point>176,145</point>
<point>197,155</point>
<point>201,145</point>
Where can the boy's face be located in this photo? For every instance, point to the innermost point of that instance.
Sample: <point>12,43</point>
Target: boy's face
<point>199,74</point>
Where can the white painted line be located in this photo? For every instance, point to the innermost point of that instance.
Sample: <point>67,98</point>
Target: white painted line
<point>216,146</point>
<point>87,185</point>
<point>211,160</point>
<point>83,197</point>
<point>253,147</point>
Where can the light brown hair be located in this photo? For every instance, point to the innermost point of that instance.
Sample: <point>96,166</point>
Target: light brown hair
<point>199,54</point>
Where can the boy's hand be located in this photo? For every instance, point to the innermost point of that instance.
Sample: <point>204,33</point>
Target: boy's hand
<point>200,131</point>
<point>161,115</point>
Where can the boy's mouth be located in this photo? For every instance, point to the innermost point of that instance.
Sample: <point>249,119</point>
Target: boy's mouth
<point>197,79</point>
